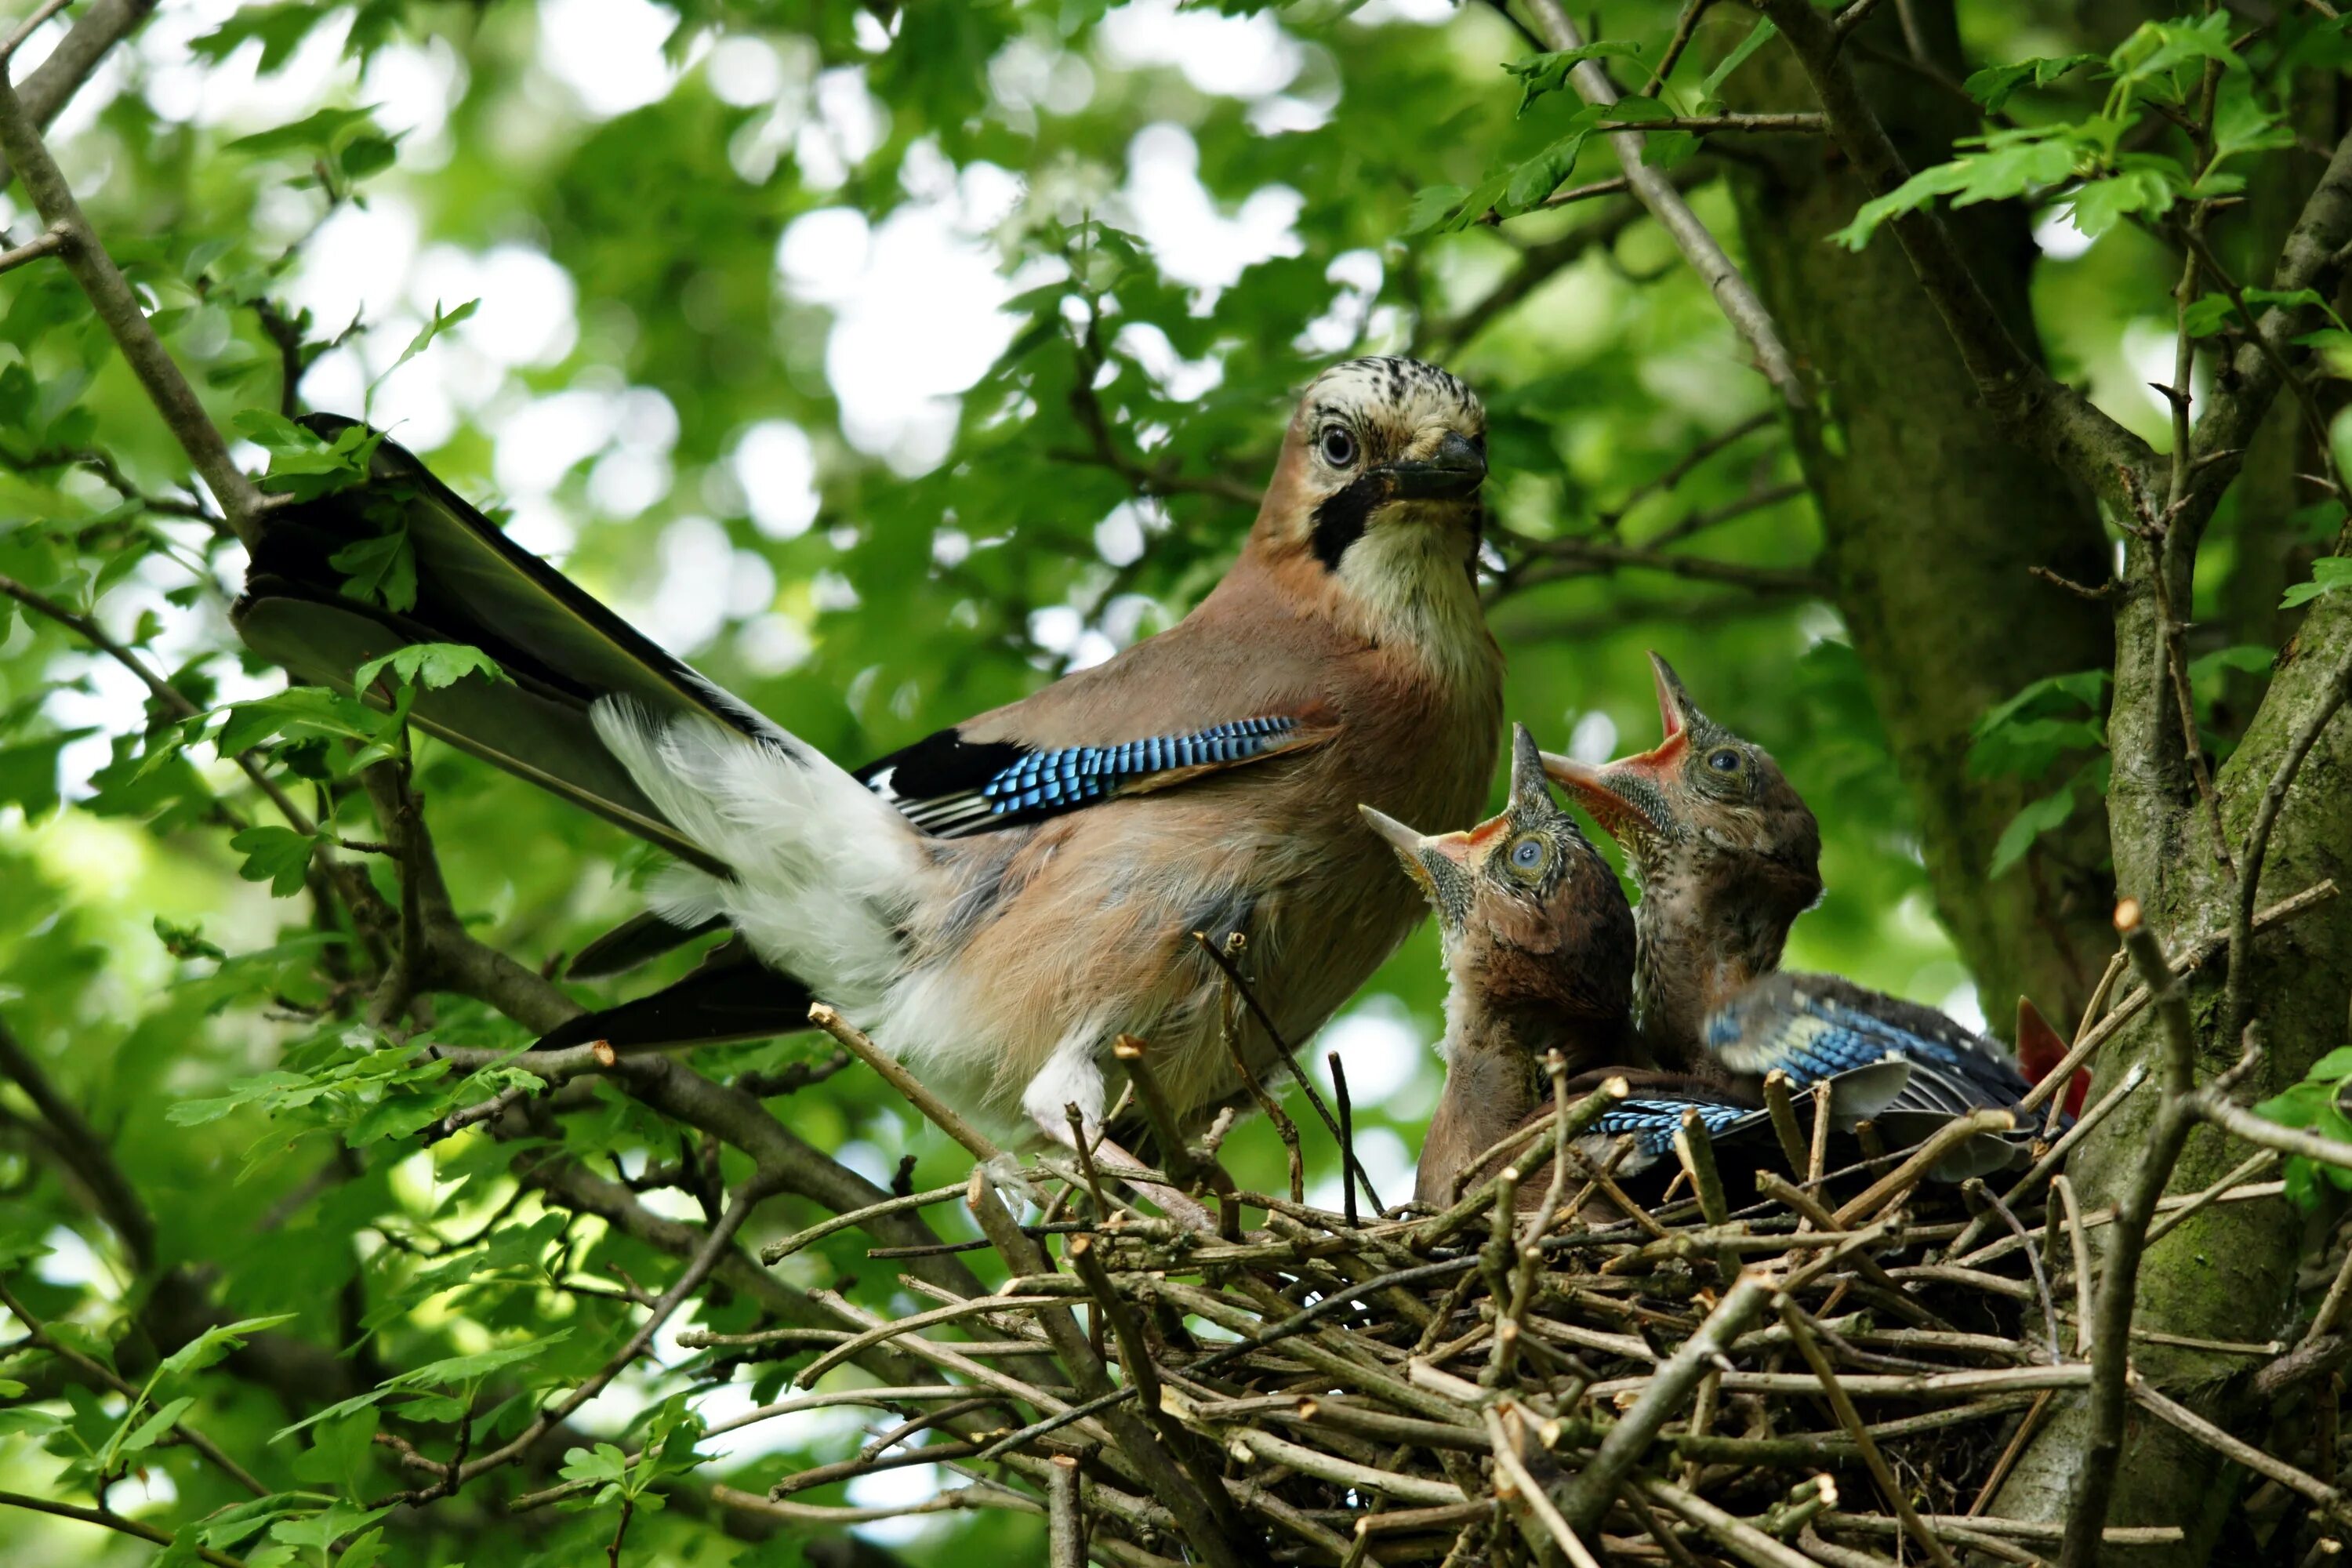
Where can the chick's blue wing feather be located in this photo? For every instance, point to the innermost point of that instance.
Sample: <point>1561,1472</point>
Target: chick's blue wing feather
<point>1813,1027</point>
<point>950,786</point>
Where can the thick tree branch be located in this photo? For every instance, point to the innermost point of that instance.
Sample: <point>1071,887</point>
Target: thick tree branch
<point>2038,411</point>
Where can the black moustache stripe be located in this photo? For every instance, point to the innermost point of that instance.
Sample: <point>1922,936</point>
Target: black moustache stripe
<point>1340,519</point>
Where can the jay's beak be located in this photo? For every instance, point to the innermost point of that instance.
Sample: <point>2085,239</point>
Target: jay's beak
<point>1419,855</point>
<point>1453,472</point>
<point>1675,710</point>
<point>1630,792</point>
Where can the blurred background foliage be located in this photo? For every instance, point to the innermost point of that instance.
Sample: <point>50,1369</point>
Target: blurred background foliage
<point>886,364</point>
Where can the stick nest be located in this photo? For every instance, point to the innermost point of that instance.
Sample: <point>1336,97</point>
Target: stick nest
<point>1786,1363</point>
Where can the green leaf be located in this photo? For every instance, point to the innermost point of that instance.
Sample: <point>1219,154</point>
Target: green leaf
<point>1430,207</point>
<point>343,1454</point>
<point>424,339</point>
<point>321,133</point>
<point>1547,73</point>
<point>1994,85</point>
<point>2004,165</point>
<point>155,1427</point>
<point>2240,123</point>
<point>28,772</point>
<point>431,664</point>
<point>380,571</point>
<point>1761,34</point>
<point>277,856</point>
<point>2328,574</point>
<point>2031,823</point>
<point>2336,1066</point>
<point>214,1344</point>
<point>2146,186</point>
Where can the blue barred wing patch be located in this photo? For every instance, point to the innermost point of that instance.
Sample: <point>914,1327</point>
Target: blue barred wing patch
<point>950,787</point>
<point>1816,1026</point>
<point>1079,775</point>
<point>1654,1122</point>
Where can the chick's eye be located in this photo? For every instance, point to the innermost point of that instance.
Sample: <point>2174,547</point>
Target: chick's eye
<point>1339,447</point>
<point>1724,760</point>
<point>1528,854</point>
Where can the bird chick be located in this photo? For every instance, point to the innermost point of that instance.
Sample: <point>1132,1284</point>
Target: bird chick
<point>1538,945</point>
<point>1726,854</point>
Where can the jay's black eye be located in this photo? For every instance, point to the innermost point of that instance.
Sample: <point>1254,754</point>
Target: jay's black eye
<point>1339,447</point>
<point>1528,854</point>
<point>1724,760</point>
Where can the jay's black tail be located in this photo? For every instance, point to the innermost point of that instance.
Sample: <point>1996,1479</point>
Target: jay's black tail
<point>473,585</point>
<point>562,650</point>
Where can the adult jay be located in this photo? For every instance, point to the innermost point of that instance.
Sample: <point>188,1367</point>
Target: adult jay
<point>997,902</point>
<point>1727,855</point>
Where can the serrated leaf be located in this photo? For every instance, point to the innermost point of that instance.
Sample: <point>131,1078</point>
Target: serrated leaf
<point>379,570</point>
<point>430,665</point>
<point>1430,207</point>
<point>1547,73</point>
<point>277,856</point>
<point>1994,85</point>
<point>2328,574</point>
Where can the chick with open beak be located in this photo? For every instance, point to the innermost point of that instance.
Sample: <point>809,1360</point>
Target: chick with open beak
<point>1538,942</point>
<point>1726,854</point>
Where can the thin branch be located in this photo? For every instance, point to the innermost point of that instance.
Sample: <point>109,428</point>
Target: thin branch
<point>108,1520</point>
<point>1732,291</point>
<point>50,243</point>
<point>97,1371</point>
<point>1686,26</point>
<point>117,308</point>
<point>2176,1114</point>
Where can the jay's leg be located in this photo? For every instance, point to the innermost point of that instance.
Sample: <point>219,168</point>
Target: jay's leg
<point>1071,1077</point>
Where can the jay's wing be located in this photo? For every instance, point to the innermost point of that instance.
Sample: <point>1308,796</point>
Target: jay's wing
<point>1812,1025</point>
<point>950,786</point>
<point>1654,1113</point>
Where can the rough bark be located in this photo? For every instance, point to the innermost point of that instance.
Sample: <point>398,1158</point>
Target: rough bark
<point>2229,1271</point>
<point>1932,516</point>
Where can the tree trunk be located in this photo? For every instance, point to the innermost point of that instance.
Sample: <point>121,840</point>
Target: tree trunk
<point>1933,517</point>
<point>2229,1272</point>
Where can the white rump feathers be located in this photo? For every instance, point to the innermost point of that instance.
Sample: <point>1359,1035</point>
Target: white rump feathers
<point>825,874</point>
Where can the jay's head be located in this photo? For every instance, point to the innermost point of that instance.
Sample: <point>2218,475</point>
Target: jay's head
<point>1380,472</point>
<point>1530,913</point>
<point>1703,810</point>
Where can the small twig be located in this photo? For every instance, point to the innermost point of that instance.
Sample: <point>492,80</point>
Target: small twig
<point>1850,1418</point>
<point>1588,1494</point>
<point>911,1088</point>
<point>108,1520</point>
<point>1223,959</point>
<point>1346,1134</point>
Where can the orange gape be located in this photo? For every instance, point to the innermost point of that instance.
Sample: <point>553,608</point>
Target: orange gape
<point>2040,1050</point>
